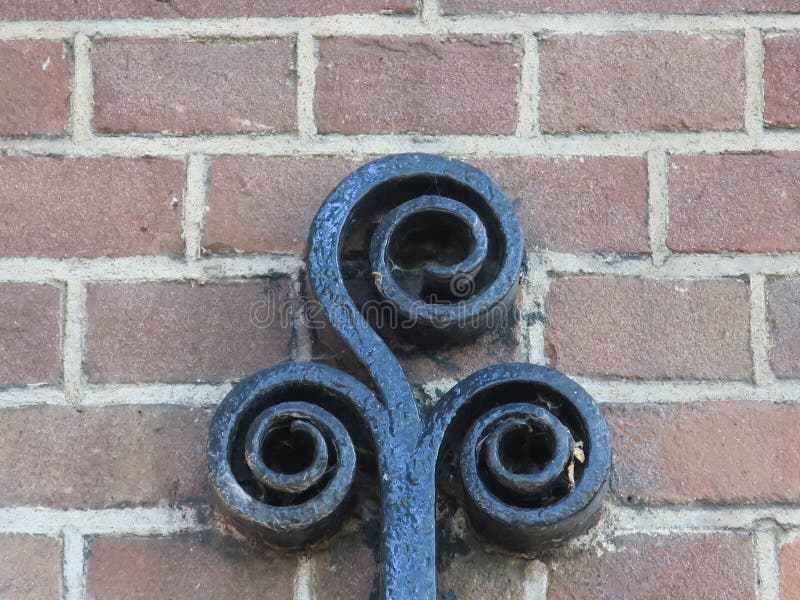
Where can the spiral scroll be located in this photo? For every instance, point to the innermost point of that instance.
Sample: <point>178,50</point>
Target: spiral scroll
<point>281,465</point>
<point>535,458</point>
<point>441,247</point>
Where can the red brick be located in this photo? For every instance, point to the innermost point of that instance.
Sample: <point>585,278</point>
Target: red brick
<point>734,202</point>
<point>90,207</point>
<point>416,84</point>
<point>111,456</point>
<point>781,74</point>
<point>346,571</point>
<point>711,452</point>
<point>186,566</point>
<point>461,359</point>
<point>649,329</point>
<point>790,571</point>
<point>136,9</point>
<point>267,204</point>
<point>783,311</point>
<point>298,8</point>
<point>30,334</point>
<point>34,88</point>
<point>624,6</point>
<point>31,567</point>
<point>713,566</point>
<point>185,87</point>
<point>442,361</point>
<point>640,82</point>
<point>585,204</point>
<point>173,332</point>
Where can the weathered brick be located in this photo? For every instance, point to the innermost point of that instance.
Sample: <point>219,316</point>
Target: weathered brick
<point>460,359</point>
<point>585,204</point>
<point>483,576</point>
<point>298,8</point>
<point>711,452</point>
<point>103,456</point>
<point>649,329</point>
<point>714,566</point>
<point>781,74</point>
<point>30,334</point>
<point>433,85</point>
<point>790,571</point>
<point>172,332</point>
<point>640,82</point>
<point>348,570</point>
<point>783,312</point>
<point>629,6</point>
<point>90,207</point>
<point>267,204</point>
<point>186,566</point>
<point>735,202</point>
<point>148,9</point>
<point>440,361</point>
<point>31,567</point>
<point>34,88</point>
<point>186,87</point>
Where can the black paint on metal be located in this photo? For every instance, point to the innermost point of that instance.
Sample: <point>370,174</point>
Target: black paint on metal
<point>444,249</point>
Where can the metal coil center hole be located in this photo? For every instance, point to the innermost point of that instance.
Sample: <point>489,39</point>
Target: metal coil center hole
<point>288,452</point>
<point>430,238</point>
<point>527,448</point>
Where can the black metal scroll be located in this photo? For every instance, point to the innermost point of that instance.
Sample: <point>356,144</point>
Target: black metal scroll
<point>443,248</point>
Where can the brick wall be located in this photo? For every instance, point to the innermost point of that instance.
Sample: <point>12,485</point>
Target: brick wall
<point>160,163</point>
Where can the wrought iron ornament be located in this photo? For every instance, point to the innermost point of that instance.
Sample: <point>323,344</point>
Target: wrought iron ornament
<point>443,249</point>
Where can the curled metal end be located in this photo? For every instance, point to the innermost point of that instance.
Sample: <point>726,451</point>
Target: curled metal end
<point>283,466</point>
<point>536,456</point>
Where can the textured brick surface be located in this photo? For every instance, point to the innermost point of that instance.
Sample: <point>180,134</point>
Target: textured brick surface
<point>790,571</point>
<point>442,360</point>
<point>34,88</point>
<point>30,335</point>
<point>714,566</point>
<point>680,329</point>
<point>484,575</point>
<point>174,332</point>
<point>186,566</point>
<point>585,204</point>
<point>734,202</point>
<point>781,74</point>
<point>299,8</point>
<point>267,204</point>
<point>629,6</point>
<point>151,86</point>
<point>783,312</point>
<point>89,207</point>
<point>640,82</point>
<point>155,9</point>
<point>711,452</point>
<point>610,86</point>
<point>102,457</point>
<point>346,571</point>
<point>416,84</point>
<point>30,567</point>
<point>460,359</point>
